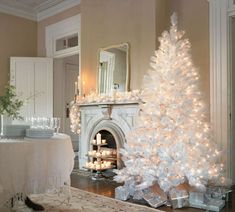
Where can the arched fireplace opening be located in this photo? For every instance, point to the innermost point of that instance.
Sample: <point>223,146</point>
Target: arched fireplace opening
<point>115,136</point>
<point>109,146</point>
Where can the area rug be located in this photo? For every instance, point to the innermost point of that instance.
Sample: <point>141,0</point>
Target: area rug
<point>83,201</point>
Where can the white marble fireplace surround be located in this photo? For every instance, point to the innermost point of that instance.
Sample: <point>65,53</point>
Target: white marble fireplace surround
<point>116,118</point>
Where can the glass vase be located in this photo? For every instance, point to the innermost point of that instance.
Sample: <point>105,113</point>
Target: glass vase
<point>4,120</point>
<point>1,126</point>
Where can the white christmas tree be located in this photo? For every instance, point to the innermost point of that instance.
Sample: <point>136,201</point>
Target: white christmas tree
<point>172,143</point>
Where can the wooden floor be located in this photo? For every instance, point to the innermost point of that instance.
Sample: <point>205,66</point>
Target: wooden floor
<point>107,187</point>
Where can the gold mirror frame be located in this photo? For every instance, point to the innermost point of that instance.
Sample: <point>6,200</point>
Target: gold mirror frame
<point>105,53</point>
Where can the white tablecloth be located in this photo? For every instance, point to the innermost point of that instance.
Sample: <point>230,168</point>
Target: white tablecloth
<point>33,166</point>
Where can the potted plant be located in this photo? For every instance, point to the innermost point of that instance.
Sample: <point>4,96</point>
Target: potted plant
<point>9,105</point>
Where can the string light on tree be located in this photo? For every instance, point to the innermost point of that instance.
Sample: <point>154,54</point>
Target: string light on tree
<point>172,143</point>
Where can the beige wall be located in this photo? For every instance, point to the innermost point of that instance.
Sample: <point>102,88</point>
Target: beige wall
<point>106,22</point>
<point>140,23</point>
<point>194,20</point>
<point>18,37</point>
<point>51,20</point>
<point>162,19</point>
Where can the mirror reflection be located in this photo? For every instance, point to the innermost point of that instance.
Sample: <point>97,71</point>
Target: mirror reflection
<point>113,68</point>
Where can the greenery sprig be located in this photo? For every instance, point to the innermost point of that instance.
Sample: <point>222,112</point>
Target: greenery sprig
<point>9,103</point>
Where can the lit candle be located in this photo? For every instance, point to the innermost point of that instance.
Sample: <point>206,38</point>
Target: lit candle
<point>103,141</point>
<point>98,138</point>
<point>79,91</point>
<point>83,85</point>
<point>94,141</point>
<point>76,88</point>
<point>78,81</point>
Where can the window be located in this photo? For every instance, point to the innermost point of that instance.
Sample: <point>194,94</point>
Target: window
<point>63,38</point>
<point>67,42</point>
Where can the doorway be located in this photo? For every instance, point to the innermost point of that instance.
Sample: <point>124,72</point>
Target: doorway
<point>63,45</point>
<point>66,72</point>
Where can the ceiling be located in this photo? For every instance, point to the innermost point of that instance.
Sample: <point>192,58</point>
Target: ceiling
<point>31,5</point>
<point>35,9</point>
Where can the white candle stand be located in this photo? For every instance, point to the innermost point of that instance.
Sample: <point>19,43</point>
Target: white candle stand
<point>103,158</point>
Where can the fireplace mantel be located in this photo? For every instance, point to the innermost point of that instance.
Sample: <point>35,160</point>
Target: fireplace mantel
<point>117,118</point>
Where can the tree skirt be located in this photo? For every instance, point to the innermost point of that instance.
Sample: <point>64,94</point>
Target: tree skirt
<point>82,201</point>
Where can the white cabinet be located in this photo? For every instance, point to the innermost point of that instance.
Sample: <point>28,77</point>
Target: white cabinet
<point>33,77</point>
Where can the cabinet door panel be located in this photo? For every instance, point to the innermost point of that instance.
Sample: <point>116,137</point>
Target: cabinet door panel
<point>33,77</point>
<point>22,77</point>
<point>43,88</point>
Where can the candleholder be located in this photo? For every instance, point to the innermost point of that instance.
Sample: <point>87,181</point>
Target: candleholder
<point>100,158</point>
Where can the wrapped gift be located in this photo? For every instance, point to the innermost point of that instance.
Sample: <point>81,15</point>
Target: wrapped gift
<point>217,192</point>
<point>179,198</point>
<point>131,187</point>
<point>122,193</point>
<point>215,205</point>
<point>212,205</point>
<point>203,201</point>
<point>196,197</point>
<point>154,200</point>
<point>227,196</point>
<point>138,195</point>
<point>154,196</point>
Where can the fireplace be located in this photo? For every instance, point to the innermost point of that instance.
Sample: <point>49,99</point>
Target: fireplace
<point>112,120</point>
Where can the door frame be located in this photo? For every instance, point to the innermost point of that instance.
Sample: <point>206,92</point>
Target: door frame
<point>220,13</point>
<point>60,29</point>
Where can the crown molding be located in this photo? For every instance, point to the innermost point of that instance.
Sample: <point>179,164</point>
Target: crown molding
<point>57,9</point>
<point>41,15</point>
<point>18,12</point>
<point>45,5</point>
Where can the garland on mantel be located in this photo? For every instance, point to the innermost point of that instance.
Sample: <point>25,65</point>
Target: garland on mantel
<point>94,98</point>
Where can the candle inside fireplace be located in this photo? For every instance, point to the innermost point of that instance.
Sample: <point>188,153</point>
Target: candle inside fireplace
<point>98,138</point>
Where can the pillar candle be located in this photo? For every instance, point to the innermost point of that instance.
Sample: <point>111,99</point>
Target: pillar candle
<point>98,138</point>
<point>78,85</point>
<point>83,85</point>
<point>78,81</point>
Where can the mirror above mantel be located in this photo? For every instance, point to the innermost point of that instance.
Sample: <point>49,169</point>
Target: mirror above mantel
<point>113,68</point>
